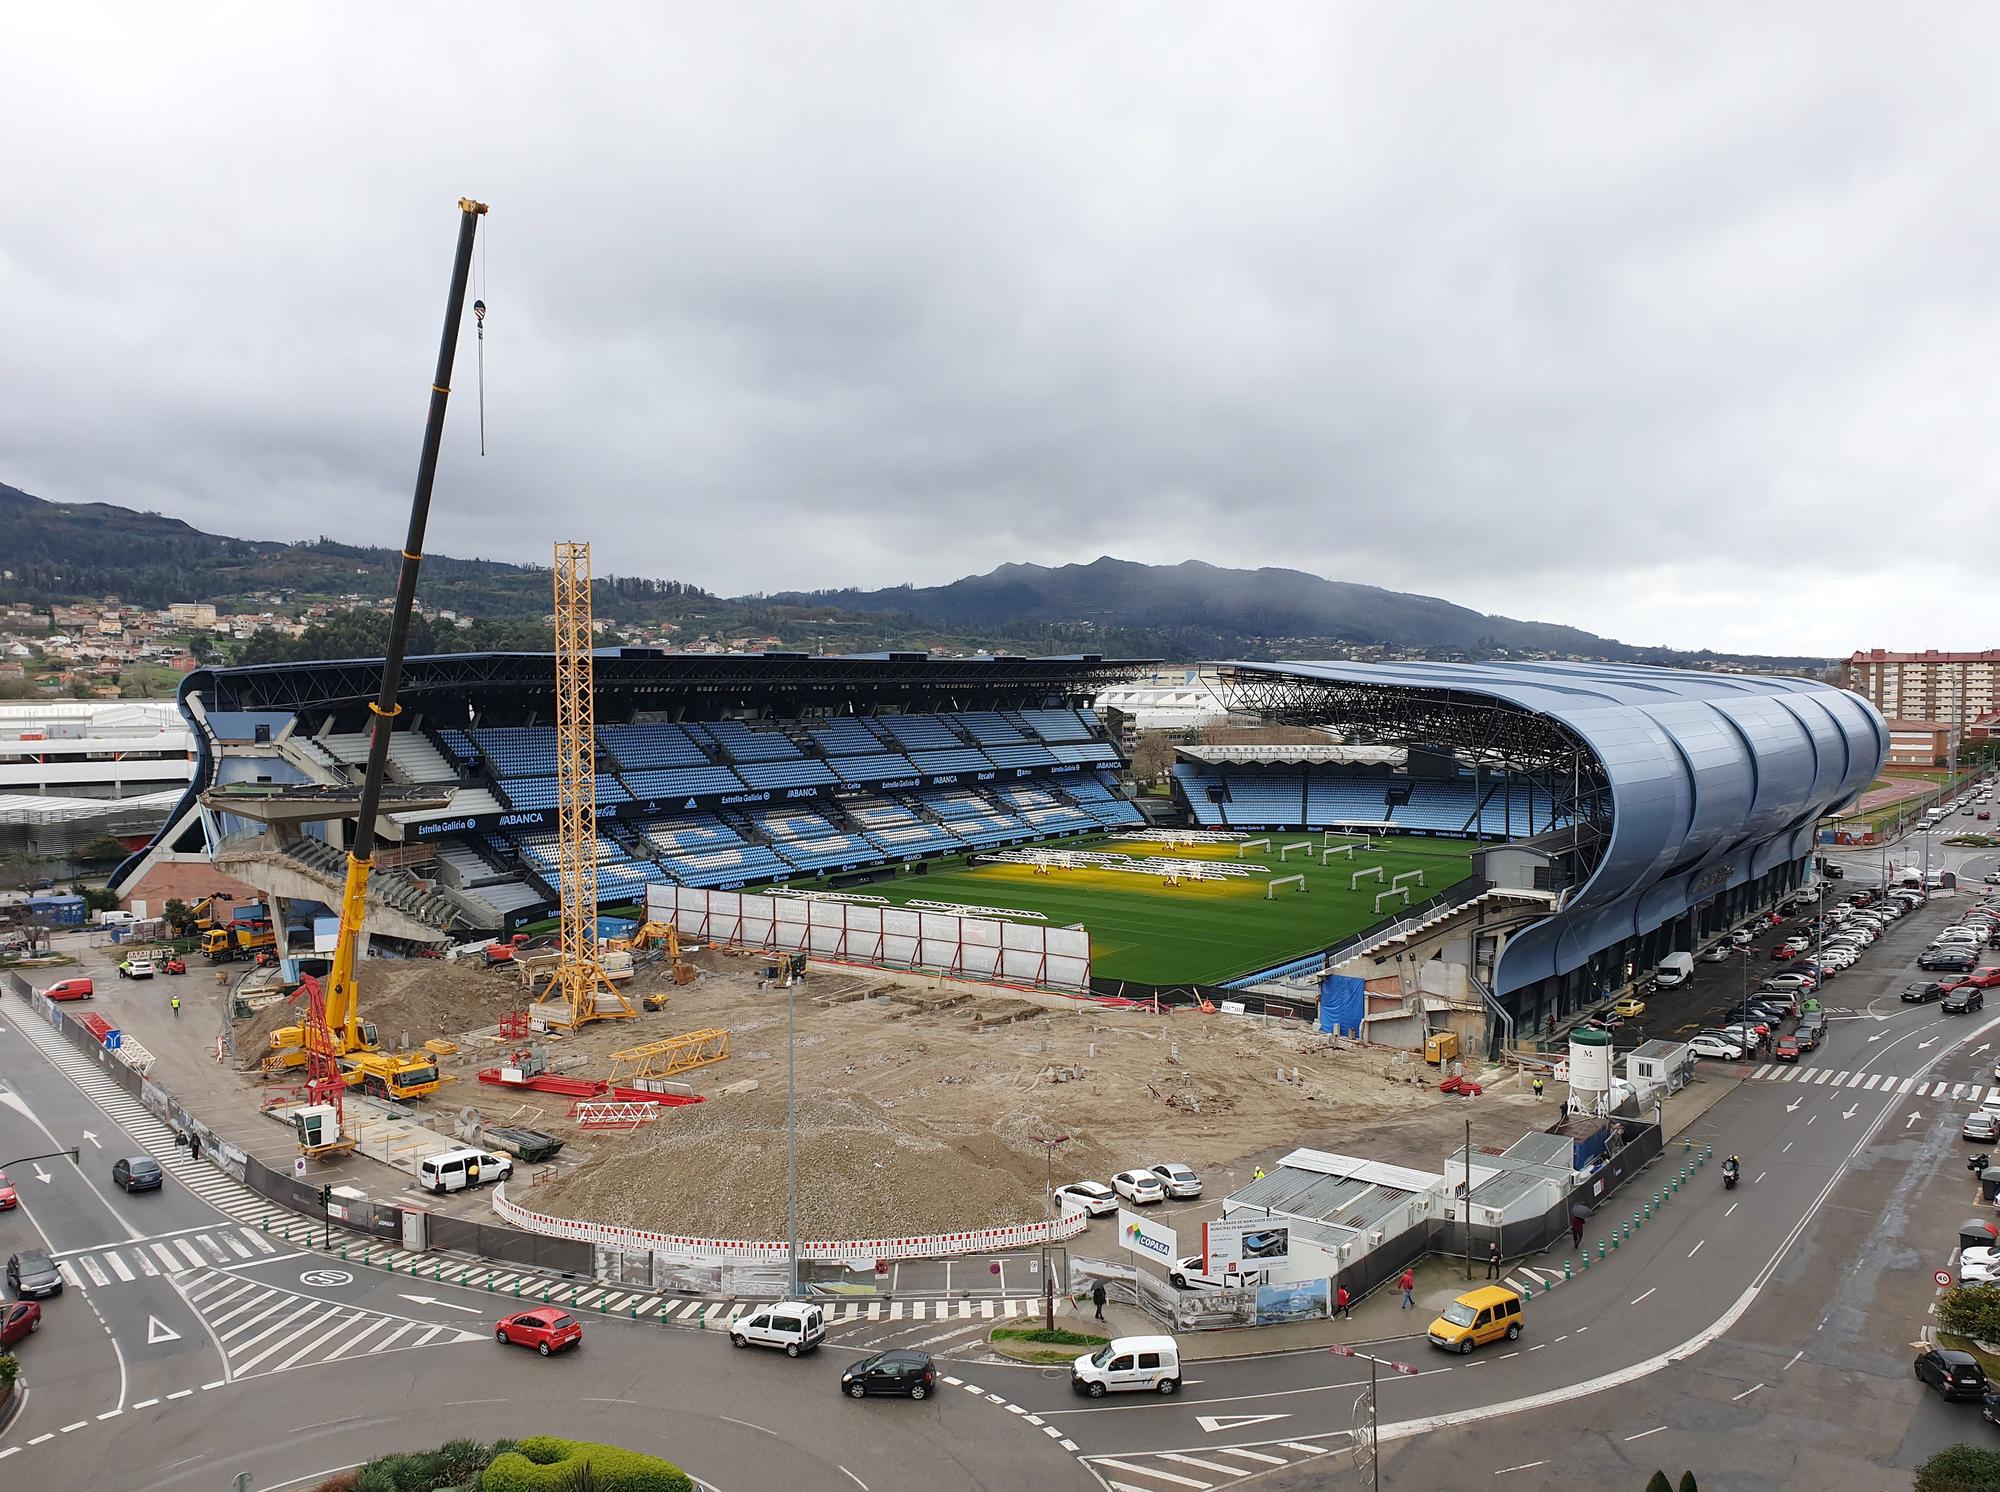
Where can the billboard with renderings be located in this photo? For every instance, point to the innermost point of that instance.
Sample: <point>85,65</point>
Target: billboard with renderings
<point>1244,1242</point>
<point>1148,1239</point>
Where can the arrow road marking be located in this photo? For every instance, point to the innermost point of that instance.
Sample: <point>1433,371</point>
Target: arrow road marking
<point>158,1331</point>
<point>1922,1044</point>
<point>1214,1423</point>
<point>93,1139</point>
<point>449,1305</point>
<point>1914,1117</point>
<point>41,1175</point>
<point>1852,1110</point>
<point>1793,1104</point>
<point>1983,1046</point>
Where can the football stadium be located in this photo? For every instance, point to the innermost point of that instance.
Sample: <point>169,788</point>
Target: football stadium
<point>1516,837</point>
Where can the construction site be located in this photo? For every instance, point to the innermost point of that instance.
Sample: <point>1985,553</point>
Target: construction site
<point>917,1100</point>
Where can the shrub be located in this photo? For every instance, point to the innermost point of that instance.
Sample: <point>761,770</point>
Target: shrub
<point>544,1463</point>
<point>1659,1483</point>
<point>10,1369</point>
<point>1057,1337</point>
<point>1971,1311</point>
<point>1959,1468</point>
<point>1687,1482</point>
<point>457,1463</point>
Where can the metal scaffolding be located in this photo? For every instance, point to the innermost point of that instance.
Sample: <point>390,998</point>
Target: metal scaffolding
<point>578,993</point>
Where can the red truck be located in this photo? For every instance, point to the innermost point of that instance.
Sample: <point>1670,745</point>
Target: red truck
<point>502,950</point>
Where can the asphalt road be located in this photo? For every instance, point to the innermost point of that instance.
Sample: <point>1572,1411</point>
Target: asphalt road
<point>1761,1337</point>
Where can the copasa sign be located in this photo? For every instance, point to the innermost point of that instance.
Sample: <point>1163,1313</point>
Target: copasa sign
<point>1143,1236</point>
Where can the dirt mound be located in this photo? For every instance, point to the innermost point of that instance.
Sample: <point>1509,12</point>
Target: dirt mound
<point>718,1170</point>
<point>414,998</point>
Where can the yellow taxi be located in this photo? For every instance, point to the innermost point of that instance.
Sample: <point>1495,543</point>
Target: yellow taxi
<point>1629,1007</point>
<point>1476,1318</point>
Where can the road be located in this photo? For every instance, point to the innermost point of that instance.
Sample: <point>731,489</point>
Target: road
<point>1766,1332</point>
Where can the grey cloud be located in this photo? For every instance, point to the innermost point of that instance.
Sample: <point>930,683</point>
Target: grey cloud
<point>1593,316</point>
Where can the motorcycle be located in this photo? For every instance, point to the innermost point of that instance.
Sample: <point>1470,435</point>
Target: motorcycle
<point>1729,1175</point>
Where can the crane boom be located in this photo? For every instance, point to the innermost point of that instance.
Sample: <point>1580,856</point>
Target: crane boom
<point>342,1010</point>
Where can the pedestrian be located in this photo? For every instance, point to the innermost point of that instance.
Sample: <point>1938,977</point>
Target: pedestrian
<point>1576,1231</point>
<point>1343,1303</point>
<point>1493,1261</point>
<point>1562,1111</point>
<point>1408,1285</point>
<point>1258,1175</point>
<point>1097,1298</point>
<point>177,1007</point>
<point>1538,1087</point>
<point>194,1147</point>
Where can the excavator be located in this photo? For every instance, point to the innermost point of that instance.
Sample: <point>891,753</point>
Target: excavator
<point>336,1047</point>
<point>651,935</point>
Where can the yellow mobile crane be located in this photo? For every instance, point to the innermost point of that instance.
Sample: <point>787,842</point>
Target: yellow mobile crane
<point>334,1029</point>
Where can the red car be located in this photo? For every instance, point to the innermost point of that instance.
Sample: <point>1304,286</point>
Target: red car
<point>17,1319</point>
<point>1782,952</point>
<point>1985,978</point>
<point>547,1330</point>
<point>1786,1050</point>
<point>8,1196</point>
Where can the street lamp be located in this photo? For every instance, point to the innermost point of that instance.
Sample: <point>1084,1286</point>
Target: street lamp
<point>792,1125</point>
<point>1373,1417</point>
<point>1048,1145</point>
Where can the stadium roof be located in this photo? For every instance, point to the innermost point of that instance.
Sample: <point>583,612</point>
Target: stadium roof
<point>1680,783</point>
<point>642,674</point>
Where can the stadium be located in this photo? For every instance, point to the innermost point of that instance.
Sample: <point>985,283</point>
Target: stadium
<point>1512,840</point>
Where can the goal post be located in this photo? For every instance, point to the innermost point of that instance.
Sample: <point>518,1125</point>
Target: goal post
<point>1251,844</point>
<point>1409,875</point>
<point>1284,851</point>
<point>1402,891</point>
<point>1271,889</point>
<point>1374,871</point>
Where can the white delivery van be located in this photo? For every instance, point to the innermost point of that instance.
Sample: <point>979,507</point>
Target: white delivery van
<point>1128,1365</point>
<point>1675,968</point>
<point>795,1325</point>
<point>455,1170</point>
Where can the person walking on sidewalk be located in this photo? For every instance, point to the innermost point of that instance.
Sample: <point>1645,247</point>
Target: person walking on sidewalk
<point>1097,1298</point>
<point>1493,1261</point>
<point>1576,1231</point>
<point>1408,1285</point>
<point>1343,1303</point>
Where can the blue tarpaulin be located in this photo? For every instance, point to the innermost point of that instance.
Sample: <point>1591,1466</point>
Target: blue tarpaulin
<point>1343,1000</point>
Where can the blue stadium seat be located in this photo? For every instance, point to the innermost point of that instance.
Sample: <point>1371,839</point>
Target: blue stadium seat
<point>651,744</point>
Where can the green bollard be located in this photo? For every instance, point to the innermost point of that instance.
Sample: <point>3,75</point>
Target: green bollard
<point>1614,1241</point>
<point>1687,1143</point>
<point>1600,1251</point>
<point>1586,1260</point>
<point>1702,1159</point>
<point>1566,1271</point>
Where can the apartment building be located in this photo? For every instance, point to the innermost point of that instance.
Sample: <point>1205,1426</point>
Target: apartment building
<point>1953,687</point>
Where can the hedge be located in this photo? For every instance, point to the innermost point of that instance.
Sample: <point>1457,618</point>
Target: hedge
<point>1971,1311</point>
<point>1960,1468</point>
<point>544,1463</point>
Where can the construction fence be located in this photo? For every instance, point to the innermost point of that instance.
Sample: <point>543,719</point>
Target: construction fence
<point>876,935</point>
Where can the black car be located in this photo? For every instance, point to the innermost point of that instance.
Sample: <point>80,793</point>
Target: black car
<point>1964,1000</point>
<point>32,1275</point>
<point>1955,1375</point>
<point>137,1173</point>
<point>909,1375</point>
<point>1945,960</point>
<point>1922,992</point>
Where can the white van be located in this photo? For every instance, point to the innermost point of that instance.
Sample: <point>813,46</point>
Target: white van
<point>1128,1365</point>
<point>455,1170</point>
<point>793,1325</point>
<point>1675,968</point>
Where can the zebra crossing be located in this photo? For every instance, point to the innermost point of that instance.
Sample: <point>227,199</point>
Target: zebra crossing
<point>1876,1082</point>
<point>261,1329</point>
<point>165,1256</point>
<point>1200,1468</point>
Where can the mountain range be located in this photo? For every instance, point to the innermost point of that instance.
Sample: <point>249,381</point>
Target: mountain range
<point>67,552</point>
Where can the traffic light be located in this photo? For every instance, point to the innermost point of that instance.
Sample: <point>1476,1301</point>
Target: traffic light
<point>325,1198</point>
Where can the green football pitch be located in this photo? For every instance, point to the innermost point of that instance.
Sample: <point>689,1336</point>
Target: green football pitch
<point>1198,932</point>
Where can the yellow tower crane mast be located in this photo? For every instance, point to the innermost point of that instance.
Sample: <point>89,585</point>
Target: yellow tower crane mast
<point>579,991</point>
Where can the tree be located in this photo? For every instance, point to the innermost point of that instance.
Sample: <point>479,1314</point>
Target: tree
<point>1959,1468</point>
<point>179,915</point>
<point>1971,1311</point>
<point>1687,1482</point>
<point>1152,755</point>
<point>1659,1483</point>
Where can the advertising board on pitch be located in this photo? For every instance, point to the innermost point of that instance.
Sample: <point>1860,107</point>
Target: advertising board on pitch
<point>1244,1242</point>
<point>1149,1239</point>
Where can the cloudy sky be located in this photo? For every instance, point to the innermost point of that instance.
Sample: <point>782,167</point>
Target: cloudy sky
<point>1677,325</point>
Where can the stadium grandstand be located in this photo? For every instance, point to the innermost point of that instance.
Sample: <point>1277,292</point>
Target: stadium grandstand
<point>713,771</point>
<point>1619,812</point>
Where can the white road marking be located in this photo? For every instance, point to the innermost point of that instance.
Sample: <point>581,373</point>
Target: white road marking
<point>118,1266</point>
<point>1642,1297</point>
<point>1644,1433</point>
<point>1732,1207</point>
<point>1180,1458</point>
<point>1524,1466</point>
<point>1696,1249</point>
<point>1746,1393</point>
<point>1250,1455</point>
<point>1795,1357</point>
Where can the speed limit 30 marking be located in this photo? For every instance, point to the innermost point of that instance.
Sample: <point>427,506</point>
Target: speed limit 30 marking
<point>326,1279</point>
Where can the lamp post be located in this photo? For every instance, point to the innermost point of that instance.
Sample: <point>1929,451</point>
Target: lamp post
<point>792,1127</point>
<point>1048,1144</point>
<point>1374,1363</point>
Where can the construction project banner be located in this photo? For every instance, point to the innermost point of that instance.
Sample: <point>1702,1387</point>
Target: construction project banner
<point>1148,1239</point>
<point>1244,1243</point>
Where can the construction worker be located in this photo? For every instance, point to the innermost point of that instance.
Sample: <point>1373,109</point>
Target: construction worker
<point>1258,1175</point>
<point>1538,1086</point>
<point>176,1002</point>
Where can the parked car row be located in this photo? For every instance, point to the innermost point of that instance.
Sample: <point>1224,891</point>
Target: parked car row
<point>1139,1186</point>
